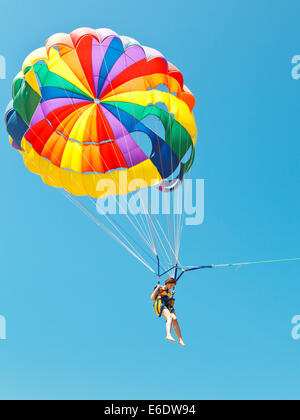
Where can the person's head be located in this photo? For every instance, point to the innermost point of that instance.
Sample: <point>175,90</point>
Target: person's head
<point>170,283</point>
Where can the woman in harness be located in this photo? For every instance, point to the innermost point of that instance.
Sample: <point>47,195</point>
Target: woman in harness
<point>164,306</point>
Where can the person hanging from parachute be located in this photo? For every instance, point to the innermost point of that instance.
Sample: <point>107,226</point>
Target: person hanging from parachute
<point>100,116</point>
<point>164,302</point>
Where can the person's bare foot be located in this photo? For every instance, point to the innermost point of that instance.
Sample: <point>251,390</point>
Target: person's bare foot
<point>181,343</point>
<point>170,338</point>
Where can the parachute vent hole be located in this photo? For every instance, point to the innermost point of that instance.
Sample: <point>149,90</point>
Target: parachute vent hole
<point>175,174</point>
<point>162,106</point>
<point>143,141</point>
<point>187,156</point>
<point>154,124</point>
<point>163,88</point>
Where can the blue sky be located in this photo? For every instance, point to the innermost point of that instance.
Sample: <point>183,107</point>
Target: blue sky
<point>79,321</point>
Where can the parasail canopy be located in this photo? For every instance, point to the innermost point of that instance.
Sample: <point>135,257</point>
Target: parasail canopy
<point>99,115</point>
<point>78,109</point>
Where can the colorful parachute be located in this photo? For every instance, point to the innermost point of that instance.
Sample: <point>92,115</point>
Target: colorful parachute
<point>80,107</point>
<point>80,115</point>
<point>78,103</point>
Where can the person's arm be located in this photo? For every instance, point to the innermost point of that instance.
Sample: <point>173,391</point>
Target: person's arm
<point>155,293</point>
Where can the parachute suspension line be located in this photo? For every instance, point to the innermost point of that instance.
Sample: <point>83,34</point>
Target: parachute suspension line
<point>117,203</point>
<point>145,238</point>
<point>158,269</point>
<point>177,205</point>
<point>189,269</point>
<point>87,212</point>
<point>255,262</point>
<point>124,134</point>
<point>159,274</point>
<point>149,213</point>
<point>161,241</point>
<point>181,212</point>
<point>150,221</point>
<point>169,256</point>
<point>173,194</point>
<point>108,231</point>
<point>174,268</point>
<point>105,228</point>
<point>102,226</point>
<point>153,228</point>
<point>181,216</point>
<point>167,202</point>
<point>177,219</point>
<point>155,231</point>
<point>125,212</point>
<point>155,235</point>
<point>180,224</point>
<point>118,228</point>
<point>154,115</point>
<point>94,202</point>
<point>172,199</point>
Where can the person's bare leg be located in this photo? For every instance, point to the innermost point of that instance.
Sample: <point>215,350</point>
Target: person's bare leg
<point>177,330</point>
<point>168,317</point>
